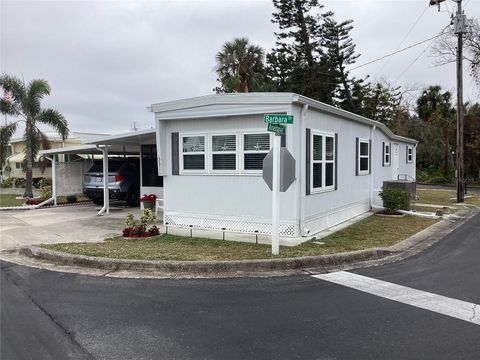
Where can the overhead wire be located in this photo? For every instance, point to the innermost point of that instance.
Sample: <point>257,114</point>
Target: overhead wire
<point>405,37</point>
<point>396,52</point>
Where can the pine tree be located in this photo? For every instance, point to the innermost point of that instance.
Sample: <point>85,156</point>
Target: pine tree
<point>298,63</point>
<point>340,53</point>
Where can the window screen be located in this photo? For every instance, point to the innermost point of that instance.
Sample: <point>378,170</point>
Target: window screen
<point>255,147</point>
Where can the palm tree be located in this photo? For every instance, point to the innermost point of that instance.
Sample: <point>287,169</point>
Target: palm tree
<point>436,109</point>
<point>24,103</point>
<point>239,65</point>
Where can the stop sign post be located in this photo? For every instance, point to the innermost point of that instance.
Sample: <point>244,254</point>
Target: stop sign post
<point>278,171</point>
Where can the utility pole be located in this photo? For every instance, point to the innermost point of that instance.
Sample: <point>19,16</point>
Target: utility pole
<point>459,29</point>
<point>460,23</point>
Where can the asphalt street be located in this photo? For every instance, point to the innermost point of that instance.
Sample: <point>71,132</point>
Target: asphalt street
<point>50,315</point>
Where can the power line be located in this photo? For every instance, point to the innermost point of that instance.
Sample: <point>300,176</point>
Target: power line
<point>405,37</point>
<point>398,51</point>
<point>413,62</point>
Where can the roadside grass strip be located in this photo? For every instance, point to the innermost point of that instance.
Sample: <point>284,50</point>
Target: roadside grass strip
<point>458,309</point>
<point>445,197</point>
<point>372,232</point>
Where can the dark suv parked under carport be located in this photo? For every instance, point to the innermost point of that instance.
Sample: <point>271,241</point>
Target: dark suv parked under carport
<point>123,180</point>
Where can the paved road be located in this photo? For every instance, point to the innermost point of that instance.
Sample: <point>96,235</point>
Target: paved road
<point>470,189</point>
<point>48,315</point>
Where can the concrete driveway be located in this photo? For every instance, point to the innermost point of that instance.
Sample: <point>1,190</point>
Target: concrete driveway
<point>78,223</point>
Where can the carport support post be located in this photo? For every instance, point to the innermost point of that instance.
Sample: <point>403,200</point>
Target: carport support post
<point>54,180</point>
<point>276,195</point>
<point>106,194</point>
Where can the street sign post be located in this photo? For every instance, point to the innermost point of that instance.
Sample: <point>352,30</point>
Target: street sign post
<point>278,119</point>
<point>273,168</point>
<point>276,128</point>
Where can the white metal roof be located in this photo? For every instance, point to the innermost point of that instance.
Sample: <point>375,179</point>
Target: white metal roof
<point>228,103</point>
<point>132,137</point>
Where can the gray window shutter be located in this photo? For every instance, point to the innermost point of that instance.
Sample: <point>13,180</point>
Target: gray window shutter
<point>175,155</point>
<point>383,153</point>
<point>369,156</point>
<point>336,161</point>
<point>406,154</point>
<point>307,157</point>
<point>357,155</point>
<point>283,140</point>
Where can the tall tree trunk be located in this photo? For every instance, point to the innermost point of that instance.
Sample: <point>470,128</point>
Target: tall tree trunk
<point>28,172</point>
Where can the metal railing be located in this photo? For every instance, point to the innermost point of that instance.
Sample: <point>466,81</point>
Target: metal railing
<point>406,177</point>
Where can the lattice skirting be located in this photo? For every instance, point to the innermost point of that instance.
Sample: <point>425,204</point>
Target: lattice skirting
<point>224,224</point>
<point>334,217</point>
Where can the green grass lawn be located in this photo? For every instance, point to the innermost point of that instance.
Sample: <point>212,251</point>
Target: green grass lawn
<point>445,197</point>
<point>374,231</point>
<point>7,200</point>
<point>10,200</point>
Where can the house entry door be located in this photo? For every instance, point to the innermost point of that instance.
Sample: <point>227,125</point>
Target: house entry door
<point>395,162</point>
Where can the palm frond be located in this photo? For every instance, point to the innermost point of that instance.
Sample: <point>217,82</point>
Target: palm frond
<point>14,85</point>
<point>56,120</point>
<point>43,162</point>
<point>6,133</point>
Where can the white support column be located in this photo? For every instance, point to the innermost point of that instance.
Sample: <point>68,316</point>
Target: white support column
<point>106,194</point>
<point>54,180</point>
<point>276,196</point>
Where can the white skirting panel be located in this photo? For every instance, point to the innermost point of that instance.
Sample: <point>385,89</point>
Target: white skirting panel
<point>233,224</point>
<point>322,221</point>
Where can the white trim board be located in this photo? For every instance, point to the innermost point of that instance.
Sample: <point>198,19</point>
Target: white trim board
<point>440,304</point>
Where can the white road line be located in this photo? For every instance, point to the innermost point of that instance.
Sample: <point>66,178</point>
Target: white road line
<point>458,309</point>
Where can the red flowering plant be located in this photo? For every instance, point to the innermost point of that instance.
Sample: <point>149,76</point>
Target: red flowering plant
<point>140,228</point>
<point>150,198</point>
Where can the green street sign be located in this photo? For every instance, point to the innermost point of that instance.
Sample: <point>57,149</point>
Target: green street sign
<point>276,128</point>
<point>278,119</point>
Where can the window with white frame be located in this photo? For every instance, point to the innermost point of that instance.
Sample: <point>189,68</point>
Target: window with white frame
<point>224,152</point>
<point>409,154</point>
<point>386,154</point>
<point>193,152</point>
<point>322,169</point>
<point>363,157</point>
<point>255,147</point>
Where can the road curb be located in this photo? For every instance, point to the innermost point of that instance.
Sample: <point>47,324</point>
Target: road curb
<point>401,250</point>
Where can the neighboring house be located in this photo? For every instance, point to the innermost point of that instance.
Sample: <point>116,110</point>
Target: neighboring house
<point>210,152</point>
<point>13,166</point>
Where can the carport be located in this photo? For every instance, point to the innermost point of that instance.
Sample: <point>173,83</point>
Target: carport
<point>139,143</point>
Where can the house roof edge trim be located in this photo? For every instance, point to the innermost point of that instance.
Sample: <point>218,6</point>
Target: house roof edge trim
<point>265,98</point>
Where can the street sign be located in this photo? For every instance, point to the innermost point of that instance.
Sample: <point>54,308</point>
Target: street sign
<point>278,119</point>
<point>287,169</point>
<point>276,128</point>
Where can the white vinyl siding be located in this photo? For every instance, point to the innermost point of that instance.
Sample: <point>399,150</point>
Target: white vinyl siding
<point>363,157</point>
<point>322,166</point>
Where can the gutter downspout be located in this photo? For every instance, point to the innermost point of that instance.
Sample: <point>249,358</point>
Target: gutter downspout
<point>106,196</point>
<point>301,179</point>
<point>372,163</point>
<point>54,185</point>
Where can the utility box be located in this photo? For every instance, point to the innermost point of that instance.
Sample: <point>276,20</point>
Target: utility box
<point>409,186</point>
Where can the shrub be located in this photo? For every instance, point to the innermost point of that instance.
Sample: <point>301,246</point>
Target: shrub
<point>394,199</point>
<point>439,180</point>
<point>72,199</point>
<point>7,183</point>
<point>139,228</point>
<point>33,201</point>
<point>46,192</point>
<point>19,182</point>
